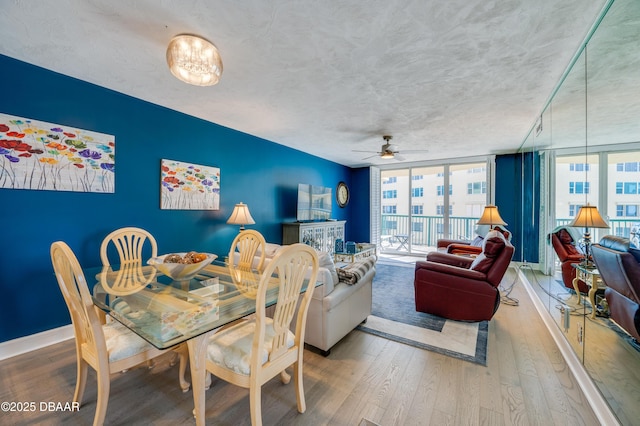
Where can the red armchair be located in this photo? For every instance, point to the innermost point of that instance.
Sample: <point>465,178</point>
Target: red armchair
<point>568,254</point>
<point>463,288</point>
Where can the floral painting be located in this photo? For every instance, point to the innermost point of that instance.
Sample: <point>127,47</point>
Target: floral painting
<point>45,156</point>
<point>187,186</point>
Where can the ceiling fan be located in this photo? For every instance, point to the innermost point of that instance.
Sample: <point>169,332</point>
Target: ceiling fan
<point>389,151</point>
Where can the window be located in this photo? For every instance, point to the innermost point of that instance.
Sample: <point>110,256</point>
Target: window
<point>390,179</point>
<point>417,227</point>
<point>389,209</point>
<point>579,167</point>
<point>477,170</point>
<point>627,187</point>
<point>392,193</point>
<point>578,187</point>
<point>628,167</point>
<point>440,190</point>
<point>573,209</point>
<point>630,187</point>
<point>440,210</point>
<point>627,210</point>
<point>417,192</point>
<point>477,187</point>
<point>417,209</point>
<point>417,177</point>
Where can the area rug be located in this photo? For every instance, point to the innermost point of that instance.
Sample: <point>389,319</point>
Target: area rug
<point>394,317</point>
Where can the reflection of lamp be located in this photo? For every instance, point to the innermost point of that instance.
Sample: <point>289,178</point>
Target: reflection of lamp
<point>491,217</point>
<point>241,216</point>
<point>588,217</point>
<point>194,60</point>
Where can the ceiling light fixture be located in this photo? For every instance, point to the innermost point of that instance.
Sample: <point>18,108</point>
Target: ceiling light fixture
<point>194,60</point>
<point>387,155</point>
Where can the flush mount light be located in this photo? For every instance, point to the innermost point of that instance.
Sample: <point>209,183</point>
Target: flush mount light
<point>194,60</point>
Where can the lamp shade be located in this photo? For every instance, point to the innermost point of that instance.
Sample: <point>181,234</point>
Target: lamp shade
<point>491,216</point>
<point>194,60</point>
<point>241,216</point>
<point>588,217</point>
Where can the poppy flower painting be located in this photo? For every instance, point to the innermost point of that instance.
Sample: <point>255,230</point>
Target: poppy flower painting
<point>51,157</point>
<point>187,186</point>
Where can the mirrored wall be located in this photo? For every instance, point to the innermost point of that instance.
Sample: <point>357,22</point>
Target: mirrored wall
<point>584,146</point>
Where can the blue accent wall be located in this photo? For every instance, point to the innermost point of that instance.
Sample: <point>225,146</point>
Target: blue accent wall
<point>359,219</point>
<point>258,172</point>
<point>516,177</point>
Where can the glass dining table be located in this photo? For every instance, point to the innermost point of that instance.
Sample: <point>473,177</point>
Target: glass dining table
<point>169,311</point>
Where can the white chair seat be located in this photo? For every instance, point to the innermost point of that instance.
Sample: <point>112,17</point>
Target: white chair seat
<point>231,348</point>
<point>123,343</point>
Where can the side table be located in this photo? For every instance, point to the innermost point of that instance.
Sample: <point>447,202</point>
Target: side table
<point>591,277</point>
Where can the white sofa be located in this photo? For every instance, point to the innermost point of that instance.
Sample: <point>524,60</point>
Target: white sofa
<point>336,307</point>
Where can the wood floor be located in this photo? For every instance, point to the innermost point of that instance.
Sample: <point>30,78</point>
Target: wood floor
<point>526,382</point>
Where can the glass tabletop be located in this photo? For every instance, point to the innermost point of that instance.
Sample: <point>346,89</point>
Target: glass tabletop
<point>166,311</point>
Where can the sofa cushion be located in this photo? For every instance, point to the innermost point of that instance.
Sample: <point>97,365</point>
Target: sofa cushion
<point>491,248</point>
<point>325,260</point>
<point>270,250</point>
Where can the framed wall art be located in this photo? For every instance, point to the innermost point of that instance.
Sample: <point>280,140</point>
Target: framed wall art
<point>186,186</point>
<point>46,156</point>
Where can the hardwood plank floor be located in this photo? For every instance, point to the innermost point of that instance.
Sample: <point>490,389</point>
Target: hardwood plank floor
<point>526,382</point>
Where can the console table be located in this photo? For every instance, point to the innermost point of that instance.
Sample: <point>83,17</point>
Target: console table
<point>319,235</point>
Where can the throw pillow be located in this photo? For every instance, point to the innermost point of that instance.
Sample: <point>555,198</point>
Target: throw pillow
<point>325,260</point>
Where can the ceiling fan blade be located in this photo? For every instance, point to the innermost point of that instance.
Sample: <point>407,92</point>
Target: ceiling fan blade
<point>398,157</point>
<point>371,156</point>
<point>360,150</point>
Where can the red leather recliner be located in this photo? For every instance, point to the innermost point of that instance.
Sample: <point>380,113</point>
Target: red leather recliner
<point>620,271</point>
<point>568,254</point>
<point>460,287</point>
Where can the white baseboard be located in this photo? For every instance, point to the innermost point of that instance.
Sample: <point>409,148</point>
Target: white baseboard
<point>30,343</point>
<point>597,402</point>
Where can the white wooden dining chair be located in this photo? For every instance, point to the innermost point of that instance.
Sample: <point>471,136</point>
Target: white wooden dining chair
<point>107,348</point>
<point>245,246</point>
<point>129,243</point>
<point>252,352</point>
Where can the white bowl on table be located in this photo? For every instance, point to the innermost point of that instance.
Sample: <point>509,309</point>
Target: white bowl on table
<point>180,271</point>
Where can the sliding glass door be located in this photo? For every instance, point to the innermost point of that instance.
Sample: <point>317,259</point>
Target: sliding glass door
<point>422,204</point>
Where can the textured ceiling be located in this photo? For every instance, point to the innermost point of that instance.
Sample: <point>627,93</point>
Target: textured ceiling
<point>457,78</point>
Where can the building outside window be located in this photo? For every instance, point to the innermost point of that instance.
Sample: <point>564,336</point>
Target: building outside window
<point>578,187</point>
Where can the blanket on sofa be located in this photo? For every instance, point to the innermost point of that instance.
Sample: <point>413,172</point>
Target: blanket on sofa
<point>350,273</point>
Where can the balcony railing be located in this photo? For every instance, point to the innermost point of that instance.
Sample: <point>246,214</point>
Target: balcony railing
<point>426,230</point>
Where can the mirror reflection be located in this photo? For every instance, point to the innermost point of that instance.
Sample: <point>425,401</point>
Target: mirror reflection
<point>587,144</point>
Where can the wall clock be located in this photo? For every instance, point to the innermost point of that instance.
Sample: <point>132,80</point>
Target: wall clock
<point>342,194</point>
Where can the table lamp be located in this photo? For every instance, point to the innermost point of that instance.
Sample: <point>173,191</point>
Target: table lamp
<point>588,217</point>
<point>241,216</point>
<point>491,216</point>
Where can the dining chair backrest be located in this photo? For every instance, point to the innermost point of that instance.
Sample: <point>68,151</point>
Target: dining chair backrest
<point>245,246</point>
<point>291,266</point>
<point>129,243</point>
<point>87,327</point>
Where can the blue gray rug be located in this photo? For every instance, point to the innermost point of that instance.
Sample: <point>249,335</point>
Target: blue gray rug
<point>394,317</point>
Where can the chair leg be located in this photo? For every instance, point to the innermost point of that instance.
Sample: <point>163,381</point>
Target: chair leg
<point>81,380</point>
<point>285,377</point>
<point>255,402</point>
<point>297,381</point>
<point>104,384</point>
<point>183,354</point>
